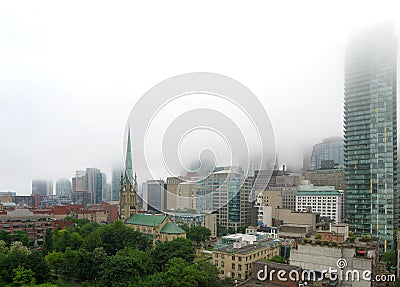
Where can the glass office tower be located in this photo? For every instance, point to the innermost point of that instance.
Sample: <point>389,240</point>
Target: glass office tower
<point>370,129</point>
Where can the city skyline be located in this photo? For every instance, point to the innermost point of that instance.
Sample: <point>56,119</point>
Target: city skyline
<point>64,102</point>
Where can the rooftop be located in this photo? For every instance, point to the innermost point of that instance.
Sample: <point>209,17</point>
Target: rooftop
<point>172,228</point>
<point>228,248</point>
<point>145,219</point>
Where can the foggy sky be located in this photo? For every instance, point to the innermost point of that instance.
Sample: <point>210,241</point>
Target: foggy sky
<point>70,72</point>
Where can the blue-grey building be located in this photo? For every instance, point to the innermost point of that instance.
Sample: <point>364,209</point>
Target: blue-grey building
<point>328,154</point>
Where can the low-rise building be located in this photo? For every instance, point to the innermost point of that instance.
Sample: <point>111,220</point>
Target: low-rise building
<point>157,228</point>
<point>34,225</point>
<point>351,257</point>
<point>234,254</point>
<point>327,177</point>
<point>287,216</point>
<point>325,200</point>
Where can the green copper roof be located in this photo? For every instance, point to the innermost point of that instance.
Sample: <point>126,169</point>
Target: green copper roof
<point>128,159</point>
<point>172,228</point>
<point>145,219</point>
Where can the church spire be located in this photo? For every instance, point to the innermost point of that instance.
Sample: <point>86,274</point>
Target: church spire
<point>128,159</point>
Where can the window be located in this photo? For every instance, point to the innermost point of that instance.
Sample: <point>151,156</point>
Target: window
<point>233,266</point>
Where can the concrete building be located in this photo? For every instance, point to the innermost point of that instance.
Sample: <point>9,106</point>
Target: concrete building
<point>42,187</point>
<point>172,192</point>
<point>327,177</point>
<point>286,216</point>
<point>370,132</point>
<point>324,200</point>
<point>234,254</point>
<point>229,192</point>
<point>80,193</point>
<point>359,255</point>
<point>154,196</point>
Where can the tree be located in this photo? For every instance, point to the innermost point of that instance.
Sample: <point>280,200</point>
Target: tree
<point>56,260</point>
<point>3,247</point>
<point>18,247</point>
<point>179,247</point>
<point>144,258</point>
<point>199,234</point>
<point>92,241</point>
<point>20,236</point>
<point>89,228</point>
<point>6,237</point>
<point>119,271</point>
<point>241,229</point>
<point>48,242</point>
<point>23,277</point>
<point>221,230</point>
<point>78,222</point>
<point>389,257</point>
<point>98,257</point>
<point>277,259</point>
<point>37,264</point>
<point>117,236</point>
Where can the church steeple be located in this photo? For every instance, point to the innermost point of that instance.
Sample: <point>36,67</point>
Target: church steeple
<point>128,159</point>
<point>128,196</point>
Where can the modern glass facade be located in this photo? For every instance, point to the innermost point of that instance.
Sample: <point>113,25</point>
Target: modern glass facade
<point>230,192</point>
<point>63,187</point>
<point>331,149</point>
<point>370,128</point>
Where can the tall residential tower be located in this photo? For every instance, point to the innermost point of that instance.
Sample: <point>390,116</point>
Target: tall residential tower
<point>370,131</point>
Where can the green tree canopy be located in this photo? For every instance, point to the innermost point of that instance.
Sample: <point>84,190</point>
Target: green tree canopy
<point>56,260</point>
<point>23,277</point>
<point>117,236</point>
<point>199,234</point>
<point>179,247</point>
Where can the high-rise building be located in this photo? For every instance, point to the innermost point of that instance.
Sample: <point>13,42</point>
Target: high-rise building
<point>370,129</point>
<point>328,154</point>
<point>154,195</point>
<point>42,187</point>
<point>116,178</point>
<point>230,194</point>
<point>101,187</point>
<point>92,176</point>
<point>80,194</point>
<point>63,187</point>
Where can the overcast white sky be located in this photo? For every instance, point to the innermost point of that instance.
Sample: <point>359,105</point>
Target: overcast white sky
<point>70,72</point>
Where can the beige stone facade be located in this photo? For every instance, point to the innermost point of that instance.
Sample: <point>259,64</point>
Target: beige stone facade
<point>236,262</point>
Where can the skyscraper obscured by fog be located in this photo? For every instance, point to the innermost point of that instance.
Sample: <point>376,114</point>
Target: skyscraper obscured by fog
<point>154,196</point>
<point>42,187</point>
<point>63,187</point>
<point>370,128</point>
<point>116,178</point>
<point>328,154</point>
